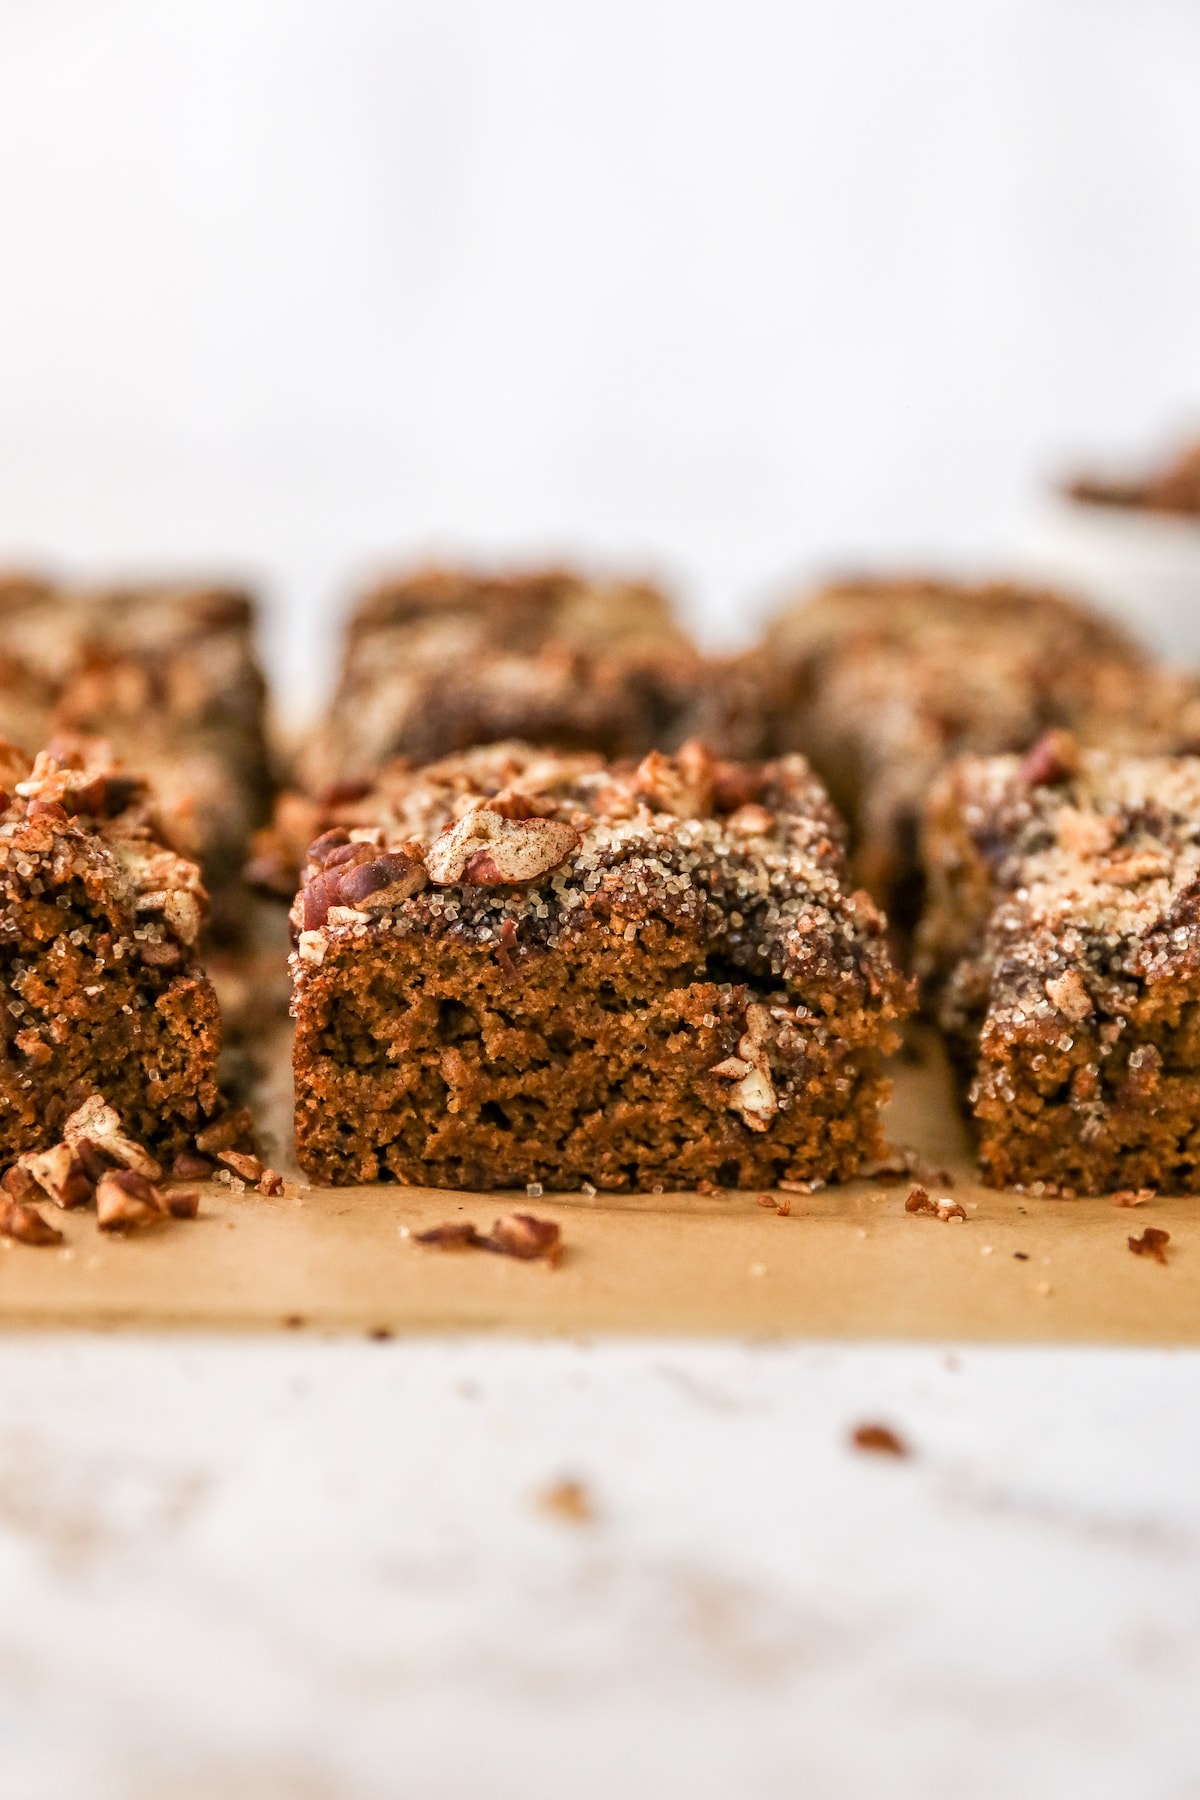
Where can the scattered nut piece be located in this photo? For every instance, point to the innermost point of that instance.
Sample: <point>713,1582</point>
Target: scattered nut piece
<point>126,1201</point>
<point>568,1500</point>
<point>19,1184</point>
<point>100,1123</point>
<point>60,1175</point>
<point>232,1128</point>
<point>1053,758</point>
<point>880,1439</point>
<point>526,1237</point>
<point>190,1167</point>
<point>919,1202</point>
<point>1153,1242</point>
<point>25,1224</point>
<point>949,1211</point>
<point>270,1182</point>
<point>943,1208</point>
<point>1132,1196</point>
<point>243,1164</point>
<point>1069,994</point>
<point>458,1235</point>
<point>185,1205</point>
<point>710,1189</point>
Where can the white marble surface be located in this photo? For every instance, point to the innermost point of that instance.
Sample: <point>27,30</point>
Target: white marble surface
<point>290,1569</point>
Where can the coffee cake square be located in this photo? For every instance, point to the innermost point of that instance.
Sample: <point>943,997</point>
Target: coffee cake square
<point>1062,947</point>
<point>100,985</point>
<point>517,966</point>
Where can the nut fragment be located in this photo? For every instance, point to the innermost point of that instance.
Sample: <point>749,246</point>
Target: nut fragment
<point>1153,1242</point>
<point>126,1201</point>
<point>59,1173</point>
<point>753,1096</point>
<point>185,1205</point>
<point>100,1123</point>
<point>248,1167</point>
<point>485,849</point>
<point>1053,759</point>
<point>525,1237</point>
<point>880,1439</point>
<point>1069,994</point>
<point>270,1182</point>
<point>25,1224</point>
<point>681,784</point>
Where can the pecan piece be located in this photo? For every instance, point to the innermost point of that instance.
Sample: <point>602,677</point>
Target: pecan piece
<point>682,784</point>
<point>526,1237</point>
<point>126,1201</point>
<point>1053,759</point>
<point>59,1173</point>
<point>100,1123</point>
<point>383,881</point>
<point>1069,994</point>
<point>25,1224</point>
<point>248,1167</point>
<point>485,849</point>
<point>1153,1242</point>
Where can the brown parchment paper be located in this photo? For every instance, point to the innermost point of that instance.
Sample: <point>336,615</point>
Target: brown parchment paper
<point>848,1262</point>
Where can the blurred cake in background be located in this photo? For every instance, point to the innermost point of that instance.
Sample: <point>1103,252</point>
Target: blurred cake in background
<point>1130,543</point>
<point>881,683</point>
<point>168,677</point>
<point>441,659</point>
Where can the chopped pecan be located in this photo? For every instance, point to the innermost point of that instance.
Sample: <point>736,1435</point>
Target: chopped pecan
<point>919,1202</point>
<point>383,880</point>
<point>1053,759</point>
<point>320,850</point>
<point>751,820</point>
<point>126,1201</point>
<point>753,1095</point>
<point>270,1182</point>
<point>25,1224</point>
<point>458,1235</point>
<point>243,1164</point>
<point>190,1167</point>
<point>525,1237</point>
<point>18,1184</point>
<point>1069,994</point>
<point>682,784</point>
<point>185,1205</point>
<point>60,1174</point>
<point>100,1123</point>
<point>233,1127</point>
<point>485,849</point>
<point>880,1439</point>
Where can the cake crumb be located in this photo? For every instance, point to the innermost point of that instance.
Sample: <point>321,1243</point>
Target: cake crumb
<point>568,1500</point>
<point>879,1439</point>
<point>1153,1242</point>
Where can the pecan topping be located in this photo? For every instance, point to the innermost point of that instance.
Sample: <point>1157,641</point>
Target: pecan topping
<point>521,1235</point>
<point>383,880</point>
<point>1053,759</point>
<point>185,1205</point>
<point>1069,994</point>
<point>682,784</point>
<point>126,1201</point>
<point>485,849</point>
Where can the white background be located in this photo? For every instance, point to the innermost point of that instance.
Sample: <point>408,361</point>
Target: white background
<point>730,290</point>
<point>733,291</point>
